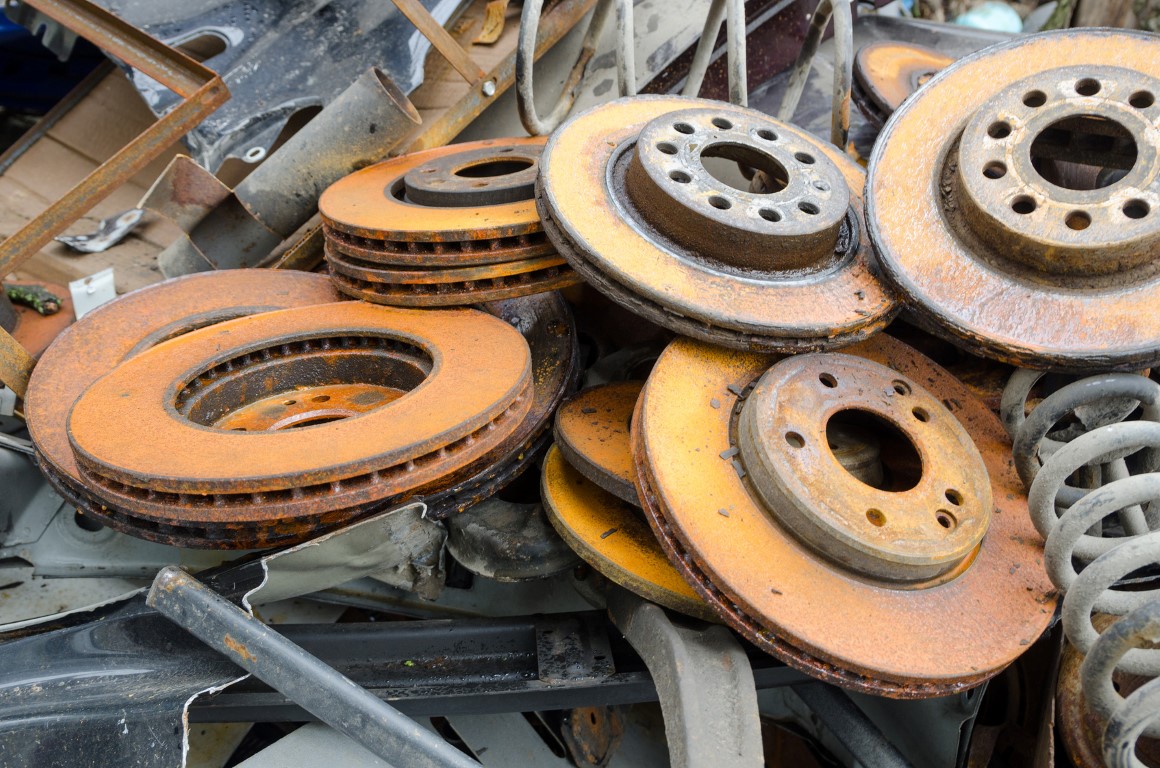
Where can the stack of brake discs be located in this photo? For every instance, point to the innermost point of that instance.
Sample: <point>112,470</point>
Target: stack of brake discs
<point>287,404</point>
<point>449,226</point>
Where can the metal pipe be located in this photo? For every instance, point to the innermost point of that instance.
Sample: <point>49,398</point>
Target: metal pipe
<point>737,62</point>
<point>327,694</point>
<point>525,61</point>
<point>850,725</point>
<point>843,68</point>
<point>625,48</point>
<point>704,53</point>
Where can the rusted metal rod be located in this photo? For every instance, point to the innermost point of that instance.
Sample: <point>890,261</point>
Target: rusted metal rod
<point>322,691</point>
<point>441,39</point>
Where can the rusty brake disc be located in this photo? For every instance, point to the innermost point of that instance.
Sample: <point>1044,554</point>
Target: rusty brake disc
<point>893,590</point>
<point>888,72</point>
<point>592,432</point>
<point>627,198</point>
<point>449,226</point>
<point>1022,219</point>
<point>138,321</point>
<point>250,401</point>
<point>611,536</point>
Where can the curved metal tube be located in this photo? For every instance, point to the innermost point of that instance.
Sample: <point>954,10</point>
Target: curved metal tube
<point>843,68</point>
<point>525,60</point>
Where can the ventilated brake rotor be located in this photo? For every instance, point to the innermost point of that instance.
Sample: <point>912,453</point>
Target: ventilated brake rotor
<point>925,583</point>
<point>627,197</point>
<point>592,432</point>
<point>613,538</point>
<point>887,73</point>
<point>1022,217</point>
<point>423,394</point>
<point>133,323</point>
<point>448,226</point>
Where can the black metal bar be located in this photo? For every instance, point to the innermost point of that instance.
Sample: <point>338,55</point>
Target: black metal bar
<point>851,726</point>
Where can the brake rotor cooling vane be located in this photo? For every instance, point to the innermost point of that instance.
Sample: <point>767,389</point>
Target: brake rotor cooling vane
<point>887,73</point>
<point>612,537</point>
<point>1014,201</point>
<point>921,577</point>
<point>546,323</point>
<point>399,398</point>
<point>133,323</point>
<point>628,199</point>
<point>448,226</point>
<point>592,432</point>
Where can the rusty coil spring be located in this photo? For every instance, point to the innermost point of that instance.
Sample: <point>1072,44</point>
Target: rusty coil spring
<point>1114,462</point>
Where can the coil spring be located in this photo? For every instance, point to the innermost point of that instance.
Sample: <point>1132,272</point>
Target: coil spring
<point>1115,464</point>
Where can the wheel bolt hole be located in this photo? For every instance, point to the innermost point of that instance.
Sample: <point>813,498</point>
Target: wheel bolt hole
<point>680,177</point>
<point>722,123</point>
<point>995,170</point>
<point>876,517</point>
<point>769,214</point>
<point>720,203</point>
<point>766,135</point>
<point>289,402</point>
<point>667,148</point>
<point>901,387</point>
<point>954,497</point>
<point>809,208</point>
<point>795,440</point>
<point>1023,205</point>
<point>828,380</point>
<point>945,519</point>
<point>320,398</point>
<point>1087,87</point>
<point>1136,209</point>
<point>1035,98</point>
<point>803,157</point>
<point>921,415</point>
<point>1142,99</point>
<point>682,128</point>
<point>999,130</point>
<point>1078,220</point>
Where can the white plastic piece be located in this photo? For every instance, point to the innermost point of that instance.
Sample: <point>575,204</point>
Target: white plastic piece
<point>90,292</point>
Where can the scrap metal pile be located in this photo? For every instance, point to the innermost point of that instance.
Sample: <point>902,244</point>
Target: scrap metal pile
<point>703,341</point>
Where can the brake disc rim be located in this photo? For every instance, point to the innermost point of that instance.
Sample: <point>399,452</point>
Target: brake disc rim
<point>592,433</point>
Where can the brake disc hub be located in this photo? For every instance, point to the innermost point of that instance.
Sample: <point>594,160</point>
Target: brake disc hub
<point>1048,198</point>
<point>921,523</point>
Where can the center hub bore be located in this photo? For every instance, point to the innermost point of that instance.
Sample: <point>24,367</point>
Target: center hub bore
<point>919,518</point>
<point>484,176</point>
<point>1059,171</point>
<point>790,217</point>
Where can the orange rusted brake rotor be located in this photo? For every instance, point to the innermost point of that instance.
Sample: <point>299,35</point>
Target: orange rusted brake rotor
<point>628,199</point>
<point>250,402</point>
<point>613,537</point>
<point>888,72</point>
<point>592,432</point>
<point>133,323</point>
<point>448,226</point>
<point>1022,219</point>
<point>925,583</point>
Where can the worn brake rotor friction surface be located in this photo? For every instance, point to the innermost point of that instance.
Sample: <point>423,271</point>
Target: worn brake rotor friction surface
<point>449,226</point>
<point>137,321</point>
<point>1022,219</point>
<point>251,400</point>
<point>627,198</point>
<point>913,635</point>
<point>592,432</point>
<point>887,73</point>
<point>611,536</point>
